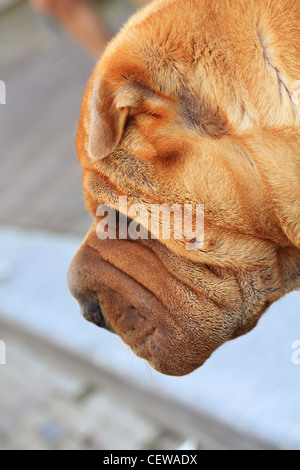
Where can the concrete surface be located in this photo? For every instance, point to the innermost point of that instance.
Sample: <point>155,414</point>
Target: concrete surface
<point>46,404</point>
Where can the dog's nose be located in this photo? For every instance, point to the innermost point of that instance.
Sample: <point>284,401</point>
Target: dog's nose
<point>87,298</point>
<point>91,310</point>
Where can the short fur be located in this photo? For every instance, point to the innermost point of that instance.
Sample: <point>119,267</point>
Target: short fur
<point>192,102</point>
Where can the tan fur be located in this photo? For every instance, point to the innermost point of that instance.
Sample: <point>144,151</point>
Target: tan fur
<point>192,102</point>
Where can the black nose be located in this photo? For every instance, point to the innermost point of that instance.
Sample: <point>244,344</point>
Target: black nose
<point>92,312</point>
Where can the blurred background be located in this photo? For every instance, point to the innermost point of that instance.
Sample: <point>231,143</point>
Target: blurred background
<point>64,384</point>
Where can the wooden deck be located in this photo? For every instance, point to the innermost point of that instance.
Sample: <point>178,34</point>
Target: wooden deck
<point>45,75</point>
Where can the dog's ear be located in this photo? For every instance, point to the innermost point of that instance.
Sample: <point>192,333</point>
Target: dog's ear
<point>109,112</point>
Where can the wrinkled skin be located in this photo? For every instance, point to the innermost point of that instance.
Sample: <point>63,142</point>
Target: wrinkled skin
<point>203,114</point>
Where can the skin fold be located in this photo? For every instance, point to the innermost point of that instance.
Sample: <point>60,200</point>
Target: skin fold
<point>193,103</point>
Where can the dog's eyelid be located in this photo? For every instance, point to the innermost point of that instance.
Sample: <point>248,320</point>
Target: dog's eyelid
<point>157,115</point>
<point>156,111</point>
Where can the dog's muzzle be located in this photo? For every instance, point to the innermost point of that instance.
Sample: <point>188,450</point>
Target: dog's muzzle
<point>124,287</point>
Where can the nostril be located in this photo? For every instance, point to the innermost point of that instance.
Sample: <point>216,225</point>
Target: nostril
<point>92,312</point>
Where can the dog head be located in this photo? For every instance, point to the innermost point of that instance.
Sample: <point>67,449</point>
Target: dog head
<point>175,116</point>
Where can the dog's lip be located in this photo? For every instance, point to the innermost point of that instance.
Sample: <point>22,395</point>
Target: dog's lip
<point>143,350</point>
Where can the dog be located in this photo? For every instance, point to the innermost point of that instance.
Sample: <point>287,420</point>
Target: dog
<point>193,102</point>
